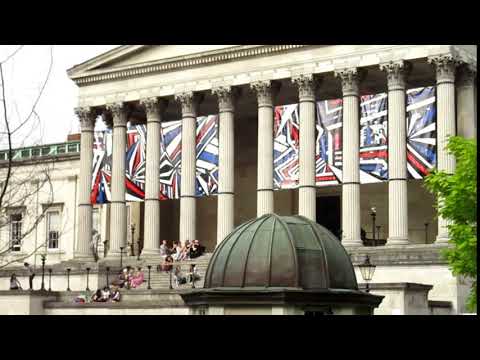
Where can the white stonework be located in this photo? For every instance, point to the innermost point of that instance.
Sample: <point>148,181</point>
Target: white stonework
<point>145,77</point>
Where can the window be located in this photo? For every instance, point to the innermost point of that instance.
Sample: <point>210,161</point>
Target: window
<point>72,148</point>
<point>53,229</point>
<point>45,151</point>
<point>16,221</point>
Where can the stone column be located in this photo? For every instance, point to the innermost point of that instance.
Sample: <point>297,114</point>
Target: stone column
<point>265,91</point>
<point>189,103</point>
<point>118,218</point>
<point>226,162</point>
<point>445,66</point>
<point>154,109</point>
<point>466,101</point>
<point>397,153</point>
<point>307,192</point>
<point>87,118</point>
<point>350,79</point>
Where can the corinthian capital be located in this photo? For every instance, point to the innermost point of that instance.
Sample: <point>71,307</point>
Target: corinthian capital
<point>227,95</point>
<point>265,91</point>
<point>466,74</point>
<point>397,72</point>
<point>445,66</point>
<point>119,113</point>
<point>154,108</point>
<point>189,102</point>
<point>350,79</point>
<point>306,84</point>
<point>87,117</point>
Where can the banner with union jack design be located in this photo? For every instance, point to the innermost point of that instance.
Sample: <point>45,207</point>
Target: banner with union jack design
<point>329,145</point>
<point>421,132</point>
<point>373,138</point>
<point>286,128</point>
<point>373,154</point>
<point>170,161</point>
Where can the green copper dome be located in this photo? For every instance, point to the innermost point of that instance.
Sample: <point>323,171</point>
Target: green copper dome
<point>281,252</point>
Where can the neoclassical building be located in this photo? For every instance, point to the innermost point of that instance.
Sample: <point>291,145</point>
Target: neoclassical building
<point>202,138</point>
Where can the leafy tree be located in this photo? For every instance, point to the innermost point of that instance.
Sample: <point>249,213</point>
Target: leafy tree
<point>458,194</point>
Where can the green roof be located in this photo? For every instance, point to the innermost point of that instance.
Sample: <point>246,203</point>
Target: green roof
<point>281,252</point>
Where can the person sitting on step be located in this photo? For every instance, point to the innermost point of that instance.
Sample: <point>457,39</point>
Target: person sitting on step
<point>164,250</point>
<point>115,294</point>
<point>196,249</point>
<point>14,283</point>
<point>180,279</point>
<point>137,278</point>
<point>167,264</point>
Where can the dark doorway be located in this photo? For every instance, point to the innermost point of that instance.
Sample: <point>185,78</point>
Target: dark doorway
<point>328,213</point>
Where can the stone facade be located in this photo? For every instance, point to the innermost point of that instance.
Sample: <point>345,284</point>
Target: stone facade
<point>243,82</point>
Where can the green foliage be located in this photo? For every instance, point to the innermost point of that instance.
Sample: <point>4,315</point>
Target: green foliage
<point>458,194</point>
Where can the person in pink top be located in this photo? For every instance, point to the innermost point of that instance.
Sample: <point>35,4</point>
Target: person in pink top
<point>137,278</point>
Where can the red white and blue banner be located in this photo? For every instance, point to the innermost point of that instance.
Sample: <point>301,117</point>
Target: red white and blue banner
<point>170,161</point>
<point>421,132</point>
<point>329,145</point>
<point>286,134</point>
<point>373,155</point>
<point>373,138</point>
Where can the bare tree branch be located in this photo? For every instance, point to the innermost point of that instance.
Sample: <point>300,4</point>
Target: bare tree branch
<point>12,54</point>
<point>9,136</point>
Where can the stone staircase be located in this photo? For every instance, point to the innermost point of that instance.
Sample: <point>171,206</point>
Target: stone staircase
<point>158,279</point>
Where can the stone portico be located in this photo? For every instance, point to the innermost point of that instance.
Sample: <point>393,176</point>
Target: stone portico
<point>151,84</point>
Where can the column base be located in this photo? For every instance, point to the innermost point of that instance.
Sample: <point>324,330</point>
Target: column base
<point>352,243</point>
<point>114,254</point>
<point>442,239</point>
<point>150,252</point>
<point>83,257</point>
<point>397,241</point>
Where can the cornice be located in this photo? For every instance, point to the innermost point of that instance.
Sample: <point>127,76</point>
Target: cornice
<point>173,64</point>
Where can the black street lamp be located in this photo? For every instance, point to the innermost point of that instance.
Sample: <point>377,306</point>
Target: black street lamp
<point>426,233</point>
<point>149,268</point>
<point>378,233</point>
<point>367,269</point>
<point>121,257</point>
<point>88,273</point>
<point>68,279</point>
<point>43,272</point>
<point>49,280</point>
<point>108,271</point>
<point>373,214</point>
<point>193,276</point>
<point>132,242</point>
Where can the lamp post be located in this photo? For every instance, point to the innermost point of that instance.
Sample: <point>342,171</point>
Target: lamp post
<point>149,268</point>
<point>43,272</point>
<point>121,257</point>
<point>132,241</point>
<point>373,214</point>
<point>378,233</point>
<point>68,279</point>
<point>108,271</point>
<point>426,233</point>
<point>367,269</point>
<point>49,280</point>
<point>88,273</point>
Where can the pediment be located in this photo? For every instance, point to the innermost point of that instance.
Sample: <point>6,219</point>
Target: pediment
<point>132,56</point>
